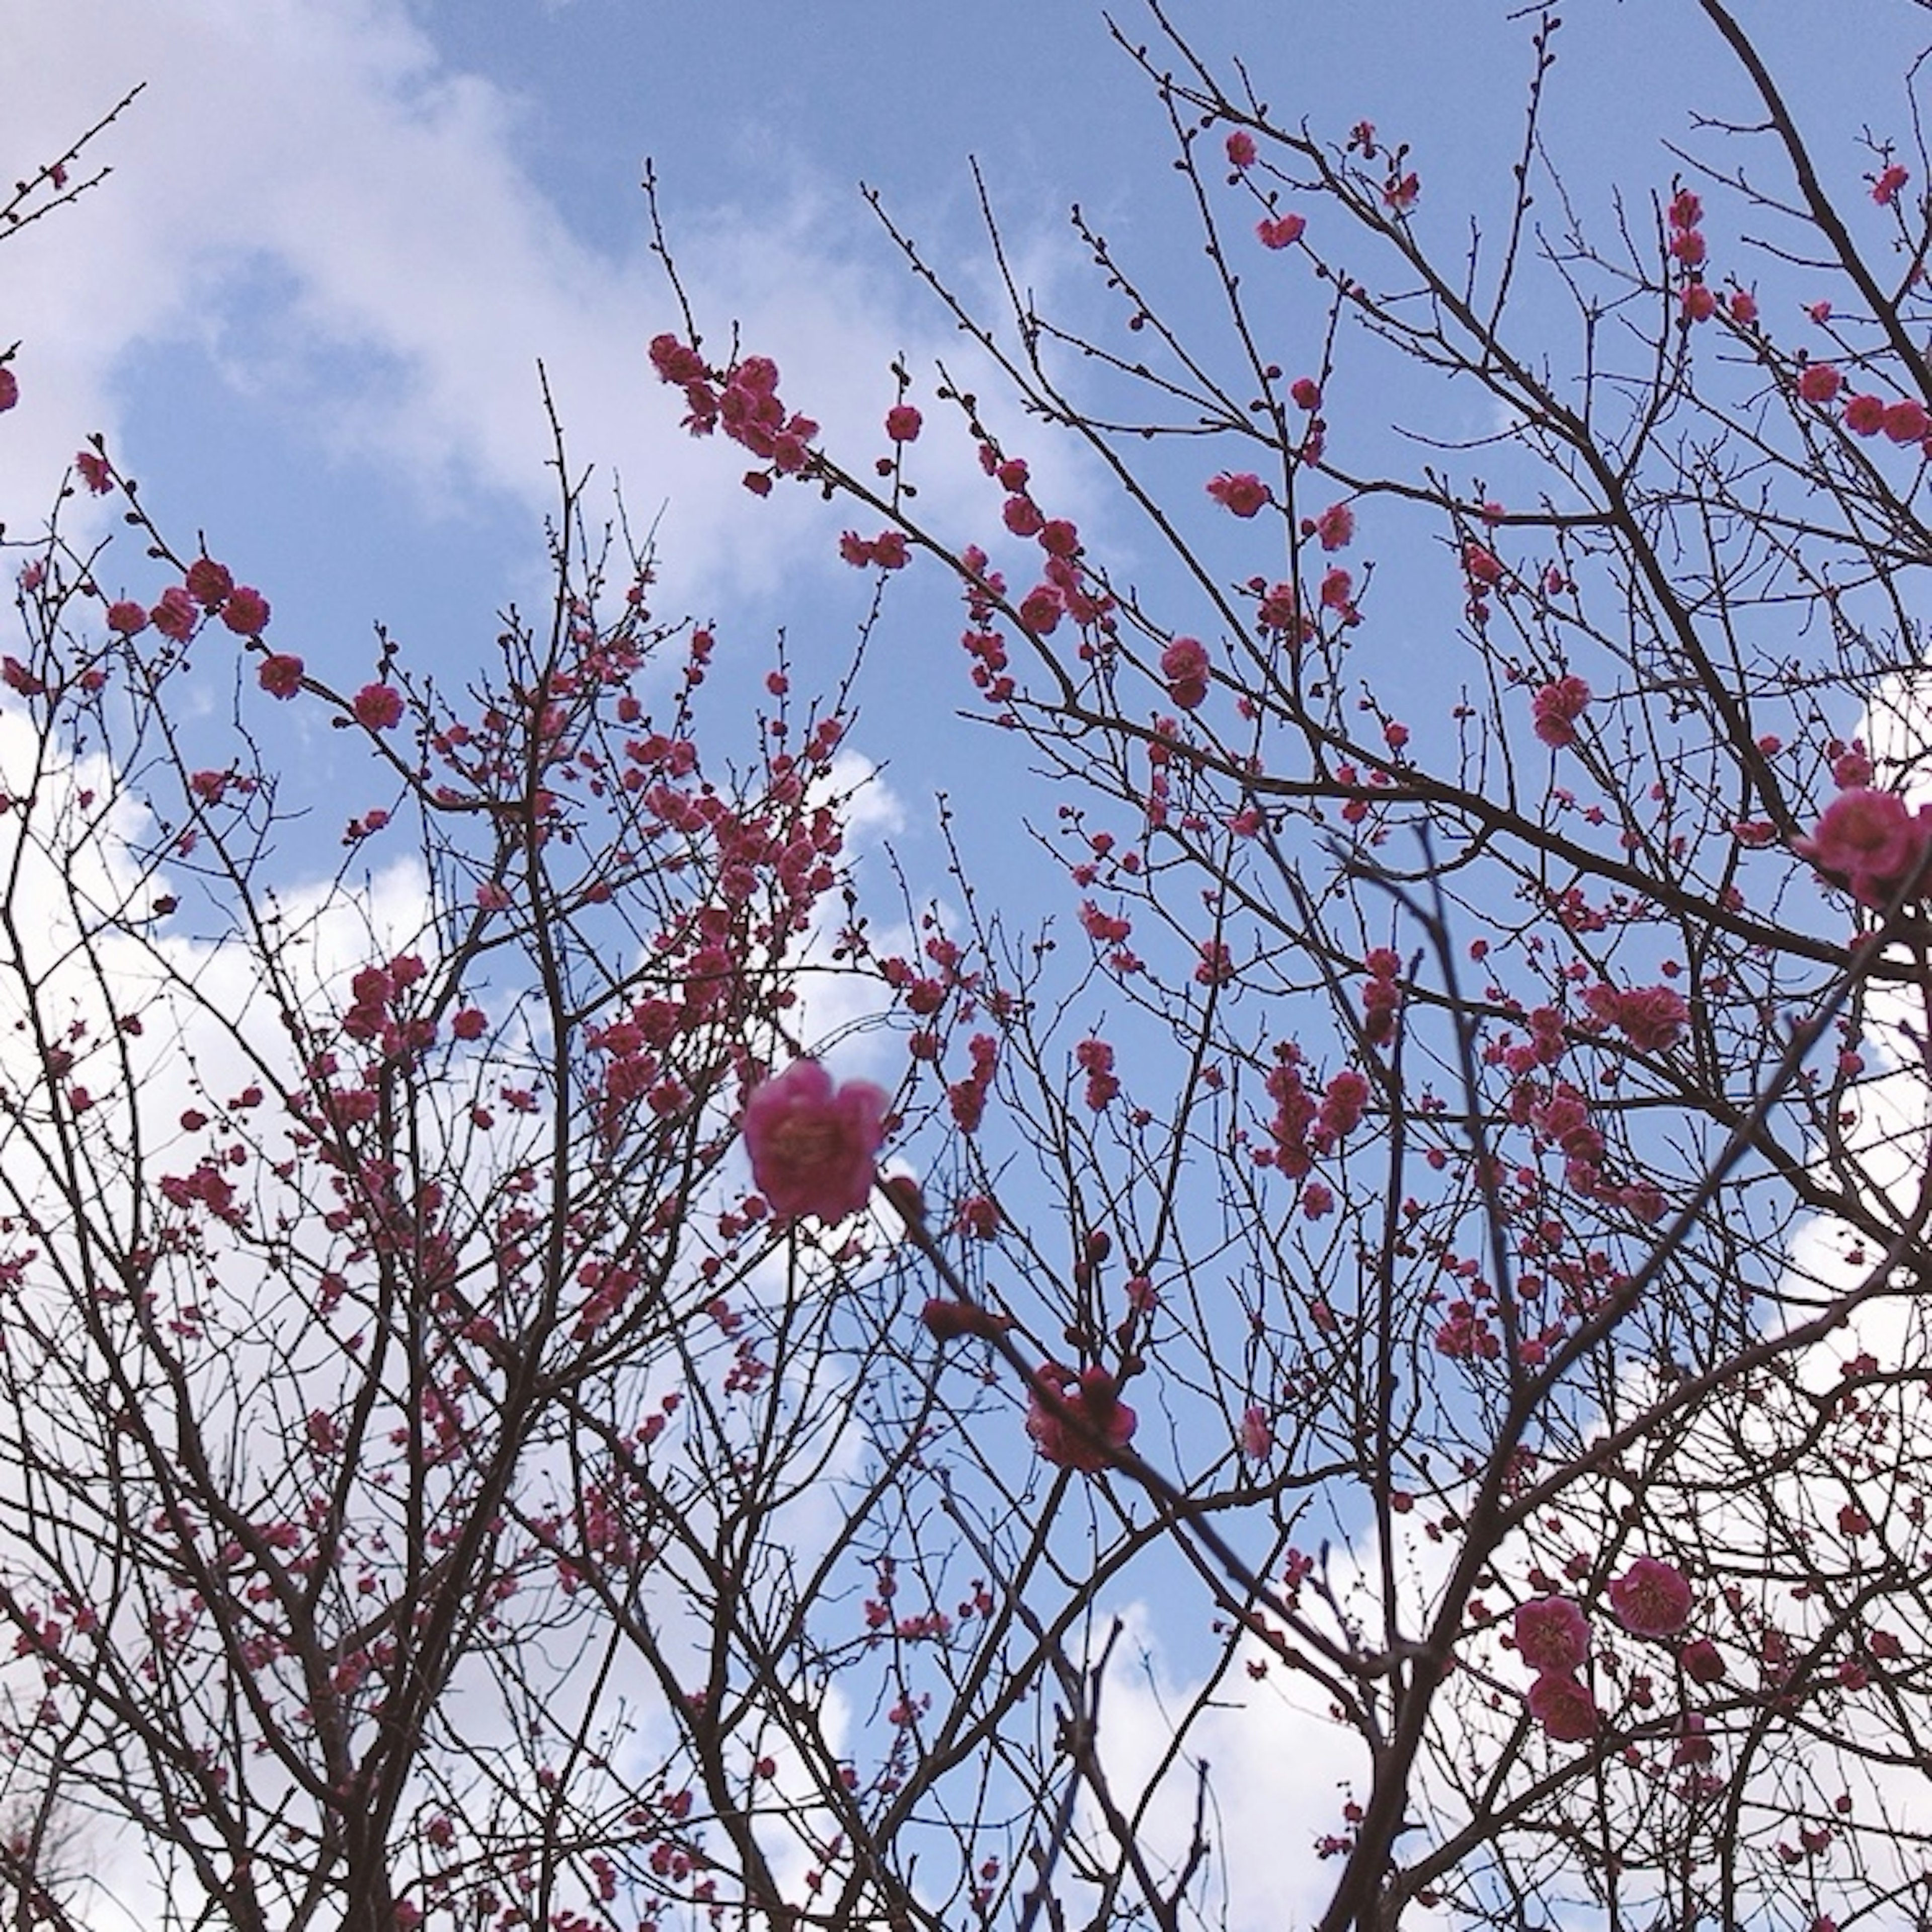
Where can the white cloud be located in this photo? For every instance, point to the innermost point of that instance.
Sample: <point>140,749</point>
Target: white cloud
<point>343,225</point>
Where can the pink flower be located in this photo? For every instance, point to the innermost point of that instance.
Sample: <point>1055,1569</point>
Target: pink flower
<point>208,582</point>
<point>1280,231</point>
<point>1483,567</point>
<point>470,1023</point>
<point>175,616</point>
<point>903,423</point>
<point>1241,493</point>
<point>1884,190</point>
<point>10,388</point>
<point>1864,415</point>
<point>1257,1433</point>
<point>1699,303</point>
<point>1869,840</point>
<point>1818,382</point>
<point>1184,665</point>
<point>1552,1634</point>
<point>281,674</point>
<point>1703,1663</point>
<point>1335,528</point>
<point>246,613</point>
<point>379,706</point>
<point>1241,148</point>
<point>1021,515</point>
<point>1556,708</point>
<point>1906,422</point>
<point>126,617</point>
<point>1075,1419</point>
<point>947,1320</point>
<point>94,472</point>
<point>1564,1708</point>
<point>812,1145</point>
<point>677,362</point>
<point>1651,1598</point>
<point>1650,1017</point>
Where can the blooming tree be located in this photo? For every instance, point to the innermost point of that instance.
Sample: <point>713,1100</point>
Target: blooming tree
<point>498,1426</point>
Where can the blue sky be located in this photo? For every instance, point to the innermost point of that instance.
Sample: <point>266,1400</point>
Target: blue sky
<point>307,307</point>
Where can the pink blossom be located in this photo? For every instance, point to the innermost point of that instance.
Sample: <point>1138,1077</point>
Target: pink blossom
<point>1241,148</point>
<point>10,388</point>
<point>1564,1708</point>
<point>94,472</point>
<point>281,674</point>
<point>1483,567</point>
<point>1075,1419</point>
<point>1871,840</point>
<point>175,616</point>
<point>208,582</point>
<point>1906,422</point>
<point>470,1023</point>
<point>676,362</point>
<point>1699,303</point>
<point>1884,190</point>
<point>1021,515</point>
<point>903,423</point>
<point>1864,415</point>
<point>812,1145</point>
<point>947,1320</point>
<point>246,612</point>
<point>1280,231</point>
<point>1703,1663</point>
<point>1184,665</point>
<point>1552,1634</point>
<point>1257,1433</point>
<point>1240,492</point>
<point>1335,528</point>
<point>379,706</point>
<point>1651,1598</point>
<point>1556,708</point>
<point>126,617</point>
<point>1650,1017</point>
<point>1818,382</point>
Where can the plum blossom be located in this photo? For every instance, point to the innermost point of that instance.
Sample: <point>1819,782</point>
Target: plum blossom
<point>1552,1634</point>
<point>1183,664</point>
<point>1650,1017</point>
<point>1241,493</point>
<point>1872,841</point>
<point>1651,1598</point>
<point>281,674</point>
<point>812,1145</point>
<point>1555,710</point>
<point>1075,1420</point>
<point>1564,1707</point>
<point>379,706</point>
<point>246,612</point>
